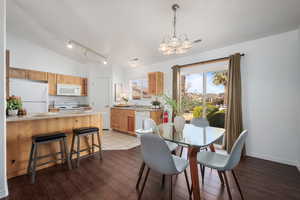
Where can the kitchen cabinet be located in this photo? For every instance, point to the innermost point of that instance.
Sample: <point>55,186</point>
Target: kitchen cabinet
<point>52,84</point>
<point>17,73</point>
<point>36,75</point>
<point>53,79</point>
<point>73,80</point>
<point>123,120</point>
<point>84,85</point>
<point>156,83</point>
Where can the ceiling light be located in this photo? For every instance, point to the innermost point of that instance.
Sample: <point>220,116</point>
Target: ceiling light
<point>69,45</point>
<point>86,50</point>
<point>174,44</point>
<point>134,62</point>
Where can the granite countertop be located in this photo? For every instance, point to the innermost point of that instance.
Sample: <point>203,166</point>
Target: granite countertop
<point>50,115</point>
<point>137,108</point>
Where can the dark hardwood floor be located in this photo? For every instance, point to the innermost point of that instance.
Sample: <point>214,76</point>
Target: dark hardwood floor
<point>114,179</point>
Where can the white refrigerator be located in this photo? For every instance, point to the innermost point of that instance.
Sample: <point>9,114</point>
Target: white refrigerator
<point>34,94</point>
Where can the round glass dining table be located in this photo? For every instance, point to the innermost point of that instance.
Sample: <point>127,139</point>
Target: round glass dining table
<point>194,138</point>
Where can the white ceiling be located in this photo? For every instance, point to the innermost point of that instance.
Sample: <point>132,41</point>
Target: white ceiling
<point>124,29</point>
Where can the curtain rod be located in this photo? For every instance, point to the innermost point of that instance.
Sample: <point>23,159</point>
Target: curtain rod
<point>204,62</point>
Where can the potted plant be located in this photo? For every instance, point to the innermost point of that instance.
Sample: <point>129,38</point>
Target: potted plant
<point>155,104</point>
<point>13,105</point>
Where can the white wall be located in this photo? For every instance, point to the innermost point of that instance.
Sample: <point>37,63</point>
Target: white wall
<point>3,183</point>
<point>28,55</point>
<point>270,81</point>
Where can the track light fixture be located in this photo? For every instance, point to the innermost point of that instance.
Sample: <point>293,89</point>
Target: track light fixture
<point>72,43</point>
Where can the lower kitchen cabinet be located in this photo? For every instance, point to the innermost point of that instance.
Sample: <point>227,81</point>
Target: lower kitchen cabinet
<point>124,120</point>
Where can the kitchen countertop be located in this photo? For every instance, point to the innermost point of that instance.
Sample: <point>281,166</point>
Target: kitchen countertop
<point>136,108</point>
<point>50,115</point>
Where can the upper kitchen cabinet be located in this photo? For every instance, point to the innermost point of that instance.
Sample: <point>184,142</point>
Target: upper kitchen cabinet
<point>84,86</point>
<point>52,78</point>
<point>156,83</point>
<point>27,74</point>
<point>66,79</point>
<point>36,75</point>
<point>17,73</point>
<point>52,84</point>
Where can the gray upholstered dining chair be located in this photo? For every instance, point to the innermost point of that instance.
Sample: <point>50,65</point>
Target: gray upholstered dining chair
<point>224,163</point>
<point>201,122</point>
<point>158,158</point>
<point>150,124</point>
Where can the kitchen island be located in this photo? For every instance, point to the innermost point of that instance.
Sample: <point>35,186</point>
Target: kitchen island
<point>20,130</point>
<point>128,119</point>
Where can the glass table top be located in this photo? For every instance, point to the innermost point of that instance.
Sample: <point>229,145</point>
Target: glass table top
<point>191,135</point>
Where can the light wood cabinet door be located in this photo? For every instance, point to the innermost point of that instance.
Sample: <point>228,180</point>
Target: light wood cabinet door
<point>115,119</point>
<point>52,84</point>
<point>123,120</point>
<point>84,87</point>
<point>17,73</point>
<point>156,83</point>
<point>36,75</point>
<point>65,79</point>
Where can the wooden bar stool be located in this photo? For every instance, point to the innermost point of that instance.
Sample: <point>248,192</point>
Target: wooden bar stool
<point>86,132</point>
<point>44,139</point>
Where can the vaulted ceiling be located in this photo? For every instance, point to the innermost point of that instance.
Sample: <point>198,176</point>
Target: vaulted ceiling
<point>123,29</point>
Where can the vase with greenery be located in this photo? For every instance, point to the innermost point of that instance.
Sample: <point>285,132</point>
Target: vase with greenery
<point>14,104</point>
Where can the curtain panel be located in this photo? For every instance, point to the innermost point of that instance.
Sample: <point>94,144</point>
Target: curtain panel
<point>233,119</point>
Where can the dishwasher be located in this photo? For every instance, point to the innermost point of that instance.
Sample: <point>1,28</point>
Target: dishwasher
<point>140,117</point>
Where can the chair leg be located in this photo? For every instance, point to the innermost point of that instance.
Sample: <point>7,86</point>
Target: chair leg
<point>78,151</point>
<point>140,175</point>
<point>67,154</point>
<point>227,185</point>
<point>144,183</point>
<point>72,147</point>
<point>187,182</point>
<point>221,178</point>
<point>30,160</point>
<point>237,184</point>
<point>202,170</point>
<point>171,188</point>
<point>100,147</point>
<point>34,163</point>
<point>163,181</point>
<point>62,152</point>
<point>181,150</point>
<point>93,144</point>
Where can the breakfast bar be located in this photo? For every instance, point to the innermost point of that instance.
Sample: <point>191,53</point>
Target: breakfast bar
<point>21,129</point>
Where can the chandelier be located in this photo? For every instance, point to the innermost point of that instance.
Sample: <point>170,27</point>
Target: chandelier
<point>173,44</point>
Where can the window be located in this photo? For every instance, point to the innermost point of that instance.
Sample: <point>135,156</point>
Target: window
<point>205,88</point>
